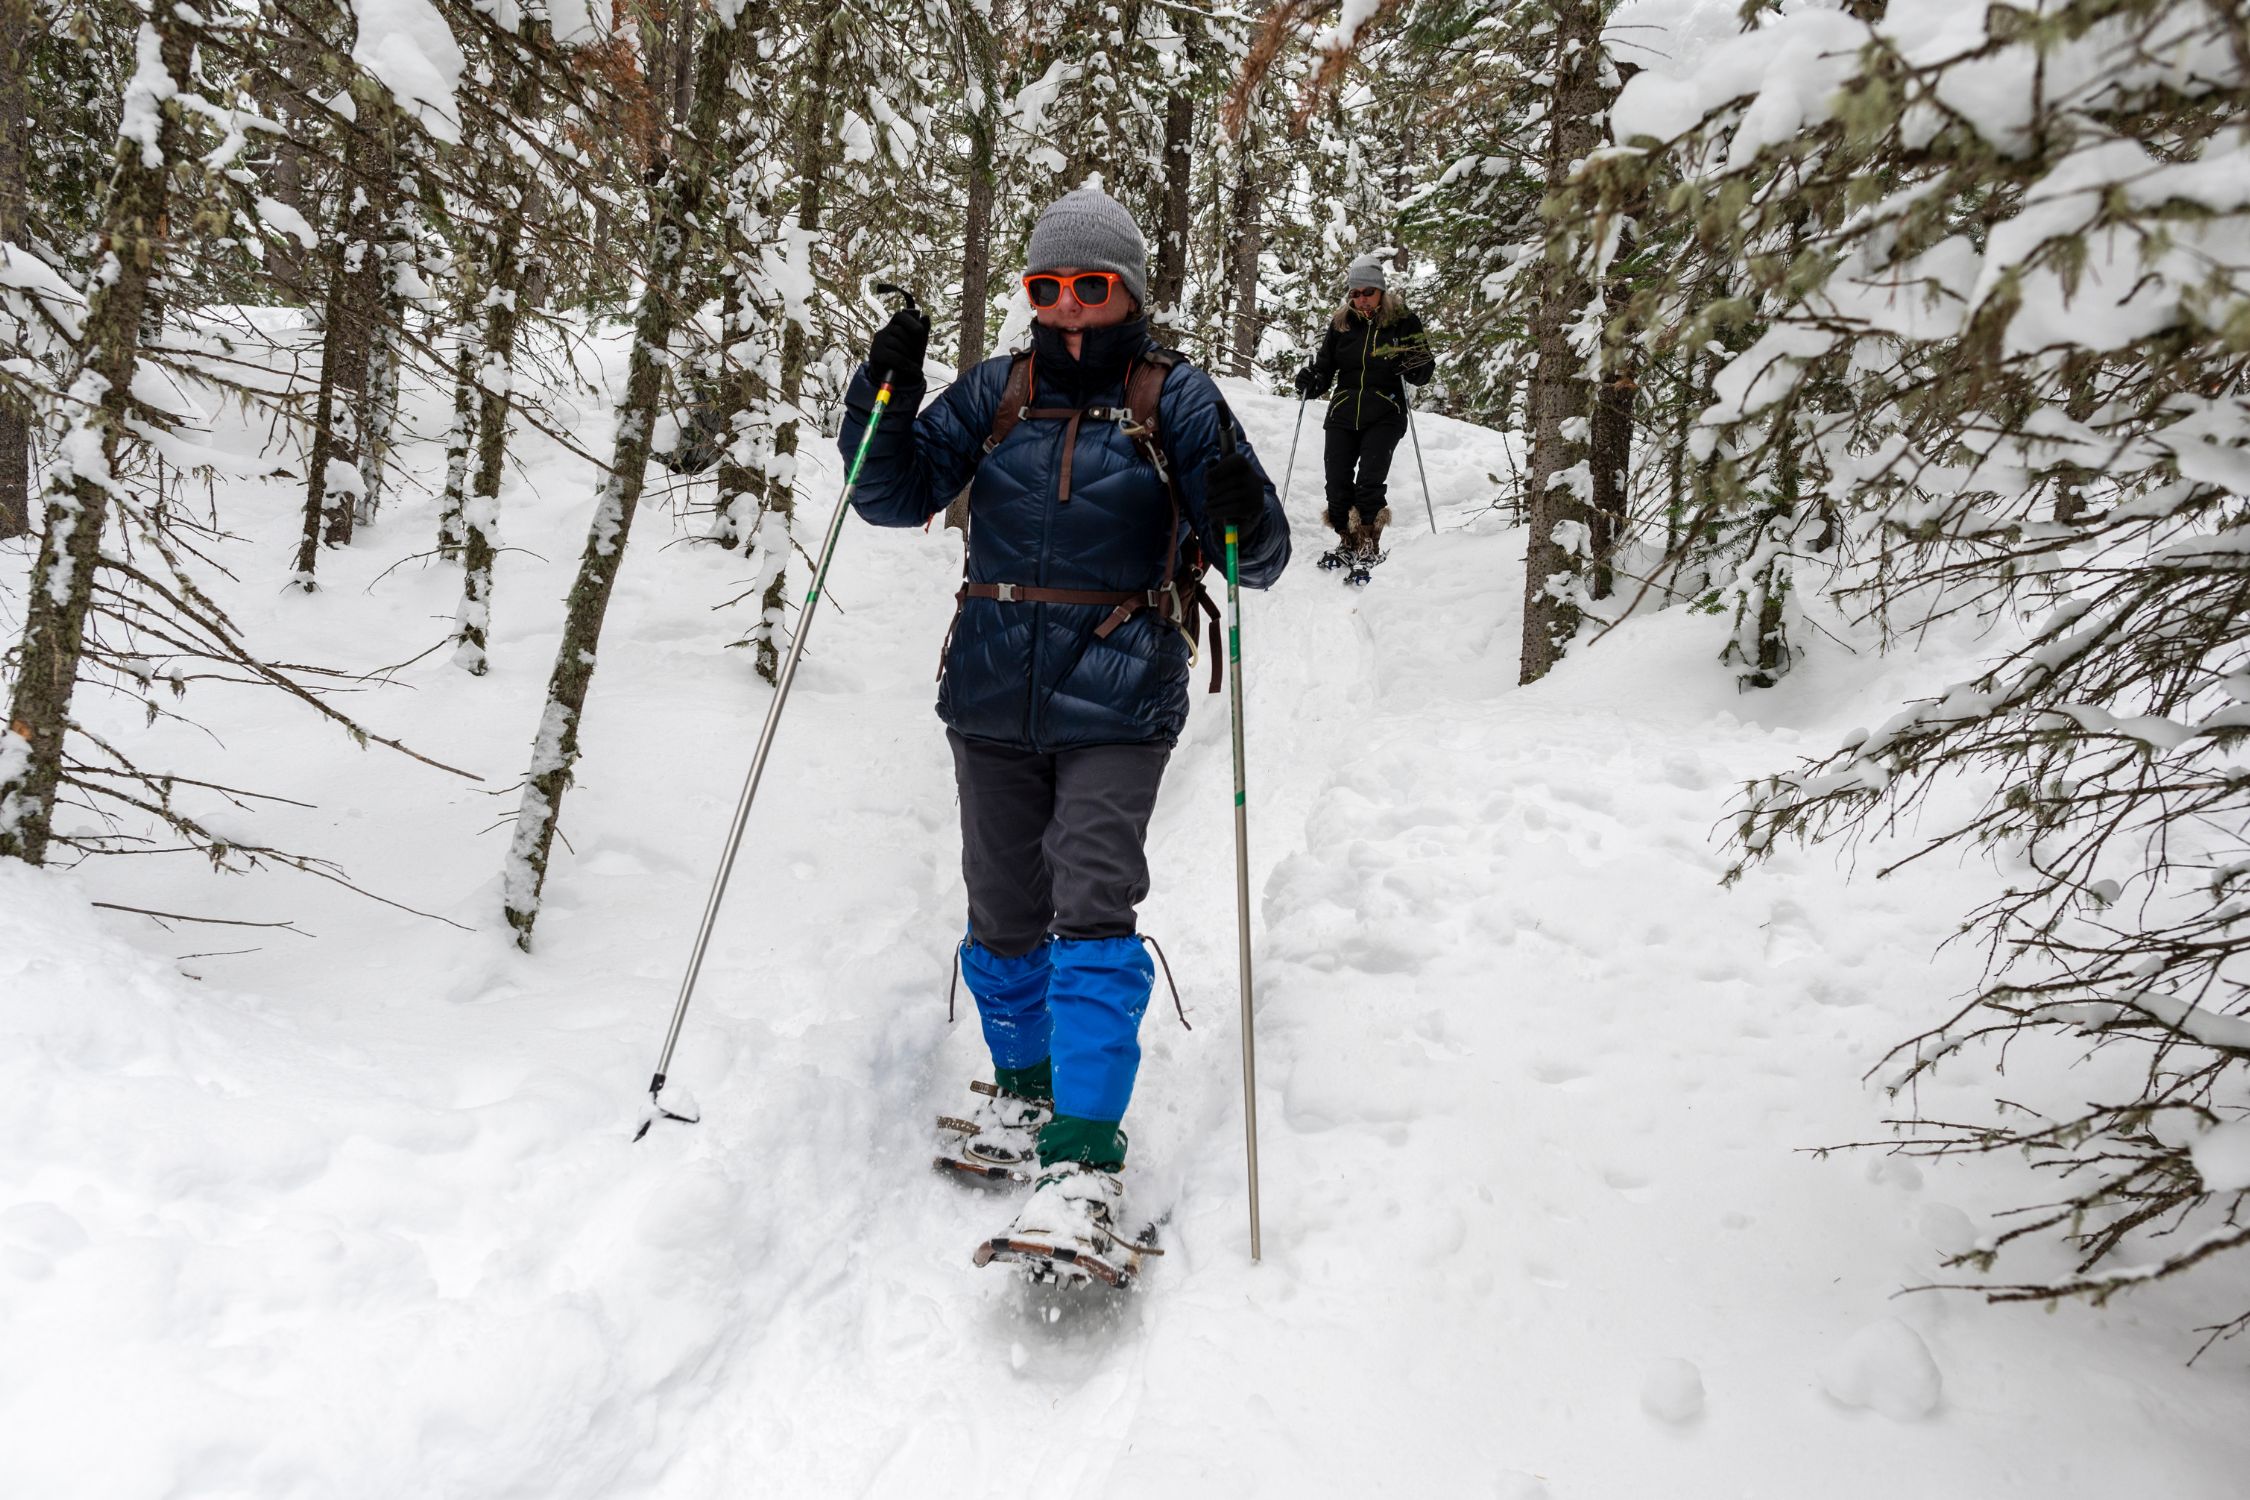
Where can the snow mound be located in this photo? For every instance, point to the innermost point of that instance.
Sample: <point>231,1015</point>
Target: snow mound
<point>1887,1367</point>
<point>1672,1391</point>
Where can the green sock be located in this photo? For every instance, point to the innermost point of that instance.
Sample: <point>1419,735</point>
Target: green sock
<point>1100,1144</point>
<point>1035,1082</point>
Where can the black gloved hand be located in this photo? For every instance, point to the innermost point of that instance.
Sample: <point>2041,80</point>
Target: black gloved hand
<point>897,349</point>
<point>1231,493</point>
<point>1308,382</point>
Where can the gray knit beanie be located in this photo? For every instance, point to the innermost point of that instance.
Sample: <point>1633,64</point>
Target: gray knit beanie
<point>1088,229</point>
<point>1366,271</point>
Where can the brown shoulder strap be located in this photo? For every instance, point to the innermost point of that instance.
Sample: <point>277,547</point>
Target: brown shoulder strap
<point>1144,397</point>
<point>1014,397</point>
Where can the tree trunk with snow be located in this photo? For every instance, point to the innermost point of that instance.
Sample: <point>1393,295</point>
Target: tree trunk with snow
<point>1760,644</point>
<point>17,21</point>
<point>742,398</point>
<point>775,528</point>
<point>459,438</point>
<point>136,234</point>
<point>1557,560</point>
<point>1611,442</point>
<point>495,374</point>
<point>976,240</point>
<point>1169,283</point>
<point>675,205</point>
<point>386,358</point>
<point>354,275</point>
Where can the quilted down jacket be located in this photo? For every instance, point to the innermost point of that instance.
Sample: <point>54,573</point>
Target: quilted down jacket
<point>1031,675</point>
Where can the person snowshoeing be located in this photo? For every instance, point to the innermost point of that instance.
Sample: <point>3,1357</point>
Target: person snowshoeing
<point>1065,679</point>
<point>1372,346</point>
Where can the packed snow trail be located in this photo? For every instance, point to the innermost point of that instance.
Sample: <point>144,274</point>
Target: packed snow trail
<point>358,1215</point>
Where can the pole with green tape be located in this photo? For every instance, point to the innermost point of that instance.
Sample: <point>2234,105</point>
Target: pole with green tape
<point>1242,877</point>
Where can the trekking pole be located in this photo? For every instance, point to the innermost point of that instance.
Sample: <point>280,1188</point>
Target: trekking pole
<point>1242,856</point>
<point>1290,472</point>
<point>1425,473</point>
<point>656,1104</point>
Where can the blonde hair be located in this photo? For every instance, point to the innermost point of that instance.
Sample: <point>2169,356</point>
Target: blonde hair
<point>1389,311</point>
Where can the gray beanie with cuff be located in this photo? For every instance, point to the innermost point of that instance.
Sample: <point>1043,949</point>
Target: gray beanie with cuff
<point>1364,272</point>
<point>1088,230</point>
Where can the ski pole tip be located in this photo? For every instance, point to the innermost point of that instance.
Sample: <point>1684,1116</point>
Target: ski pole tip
<point>668,1104</point>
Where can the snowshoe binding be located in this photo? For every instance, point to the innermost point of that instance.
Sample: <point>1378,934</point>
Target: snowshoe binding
<point>1338,556</point>
<point>1067,1234</point>
<point>998,1142</point>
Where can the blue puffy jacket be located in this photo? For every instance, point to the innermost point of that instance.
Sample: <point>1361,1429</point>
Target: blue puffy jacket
<point>1034,675</point>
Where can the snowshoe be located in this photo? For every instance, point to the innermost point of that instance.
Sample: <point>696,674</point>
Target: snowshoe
<point>999,1140</point>
<point>1336,557</point>
<point>1067,1234</point>
<point>1360,575</point>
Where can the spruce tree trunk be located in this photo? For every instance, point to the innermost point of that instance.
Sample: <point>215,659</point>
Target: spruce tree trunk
<point>780,511</point>
<point>976,241</point>
<point>15,471</point>
<point>743,393</point>
<point>17,20</point>
<point>675,205</point>
<point>380,431</point>
<point>1611,454</point>
<point>1761,621</point>
<point>136,234</point>
<point>452,529</point>
<point>1557,557</point>
<point>1170,281</point>
<point>504,279</point>
<point>1612,441</point>
<point>386,355</point>
<point>295,67</point>
<point>1247,234</point>
<point>353,270</point>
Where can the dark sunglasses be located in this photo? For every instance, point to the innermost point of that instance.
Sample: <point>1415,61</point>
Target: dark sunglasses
<point>1091,288</point>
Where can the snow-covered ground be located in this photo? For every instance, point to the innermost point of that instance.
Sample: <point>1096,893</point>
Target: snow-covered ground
<point>356,1212</point>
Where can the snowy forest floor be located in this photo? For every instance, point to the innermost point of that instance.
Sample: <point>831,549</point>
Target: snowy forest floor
<point>357,1213</point>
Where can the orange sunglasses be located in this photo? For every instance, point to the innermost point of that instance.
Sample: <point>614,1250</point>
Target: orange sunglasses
<point>1091,288</point>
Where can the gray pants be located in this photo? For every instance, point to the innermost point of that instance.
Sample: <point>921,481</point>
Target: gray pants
<point>1054,843</point>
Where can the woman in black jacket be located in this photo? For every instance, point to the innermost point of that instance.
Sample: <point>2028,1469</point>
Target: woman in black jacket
<point>1373,346</point>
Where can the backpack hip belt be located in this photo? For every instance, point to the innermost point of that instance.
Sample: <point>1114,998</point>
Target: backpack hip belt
<point>1173,608</point>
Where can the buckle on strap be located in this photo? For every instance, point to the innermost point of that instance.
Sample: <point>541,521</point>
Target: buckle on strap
<point>1005,592</point>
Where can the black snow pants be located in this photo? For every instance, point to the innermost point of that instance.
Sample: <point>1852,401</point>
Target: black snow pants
<point>1054,842</point>
<point>1358,464</point>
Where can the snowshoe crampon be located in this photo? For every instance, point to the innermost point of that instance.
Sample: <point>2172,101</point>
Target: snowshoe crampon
<point>1068,1261</point>
<point>998,1144</point>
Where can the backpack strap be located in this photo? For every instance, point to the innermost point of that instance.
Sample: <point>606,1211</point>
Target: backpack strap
<point>1015,397</point>
<point>1142,421</point>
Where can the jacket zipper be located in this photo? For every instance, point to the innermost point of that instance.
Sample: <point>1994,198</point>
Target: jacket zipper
<point>1366,352</point>
<point>1033,718</point>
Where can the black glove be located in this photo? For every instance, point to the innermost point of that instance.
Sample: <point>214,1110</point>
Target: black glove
<point>898,347</point>
<point>1308,382</point>
<point>1232,494</point>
